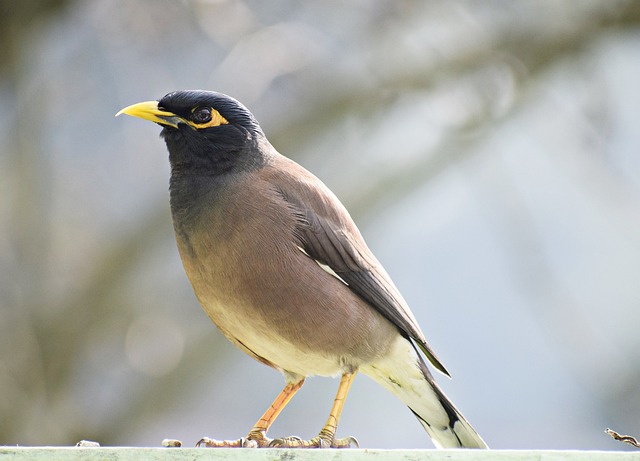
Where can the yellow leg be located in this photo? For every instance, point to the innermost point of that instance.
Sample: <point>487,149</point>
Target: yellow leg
<point>257,436</point>
<point>327,436</point>
<point>259,430</point>
<point>329,430</point>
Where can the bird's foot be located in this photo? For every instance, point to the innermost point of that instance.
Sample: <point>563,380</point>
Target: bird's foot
<point>257,439</point>
<point>321,441</point>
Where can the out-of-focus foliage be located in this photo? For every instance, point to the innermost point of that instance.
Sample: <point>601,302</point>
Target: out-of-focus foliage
<point>489,151</point>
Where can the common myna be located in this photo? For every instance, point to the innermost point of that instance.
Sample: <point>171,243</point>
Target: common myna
<point>282,270</point>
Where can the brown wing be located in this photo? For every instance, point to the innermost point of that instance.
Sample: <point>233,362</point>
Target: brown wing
<point>328,234</point>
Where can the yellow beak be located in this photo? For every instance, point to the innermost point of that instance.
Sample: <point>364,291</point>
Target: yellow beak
<point>149,110</point>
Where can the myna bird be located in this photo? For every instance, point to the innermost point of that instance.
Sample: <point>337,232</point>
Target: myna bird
<point>282,270</point>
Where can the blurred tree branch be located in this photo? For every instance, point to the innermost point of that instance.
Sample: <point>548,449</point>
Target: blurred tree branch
<point>16,22</point>
<point>525,53</point>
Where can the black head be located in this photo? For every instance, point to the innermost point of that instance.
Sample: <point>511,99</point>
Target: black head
<point>204,130</point>
<point>206,110</point>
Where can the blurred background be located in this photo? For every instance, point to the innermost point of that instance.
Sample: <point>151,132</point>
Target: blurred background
<point>487,150</point>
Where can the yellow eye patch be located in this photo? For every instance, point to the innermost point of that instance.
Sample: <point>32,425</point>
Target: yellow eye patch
<point>205,117</point>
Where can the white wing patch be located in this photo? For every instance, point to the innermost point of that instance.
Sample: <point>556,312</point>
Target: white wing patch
<point>324,267</point>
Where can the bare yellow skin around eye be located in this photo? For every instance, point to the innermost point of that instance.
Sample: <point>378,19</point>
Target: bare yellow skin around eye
<point>216,120</point>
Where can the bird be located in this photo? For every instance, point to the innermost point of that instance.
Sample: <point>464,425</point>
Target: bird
<point>282,270</point>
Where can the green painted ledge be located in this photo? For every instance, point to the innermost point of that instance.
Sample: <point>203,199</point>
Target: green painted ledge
<point>239,454</point>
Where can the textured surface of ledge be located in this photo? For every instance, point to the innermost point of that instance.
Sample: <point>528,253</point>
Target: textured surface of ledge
<point>234,454</point>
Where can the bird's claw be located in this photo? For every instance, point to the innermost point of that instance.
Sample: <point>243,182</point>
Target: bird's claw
<point>212,443</point>
<point>253,440</point>
<point>347,442</point>
<point>316,442</point>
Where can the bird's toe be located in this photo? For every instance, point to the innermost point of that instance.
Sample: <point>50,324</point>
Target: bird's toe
<point>316,442</point>
<point>255,439</point>
<point>213,443</point>
<point>347,442</point>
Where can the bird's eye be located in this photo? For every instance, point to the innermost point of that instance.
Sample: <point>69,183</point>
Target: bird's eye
<point>202,115</point>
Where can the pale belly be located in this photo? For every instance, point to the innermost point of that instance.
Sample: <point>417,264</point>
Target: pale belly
<point>255,334</point>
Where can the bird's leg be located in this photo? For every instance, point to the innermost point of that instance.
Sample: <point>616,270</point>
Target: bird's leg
<point>257,437</point>
<point>327,436</point>
<point>259,431</point>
